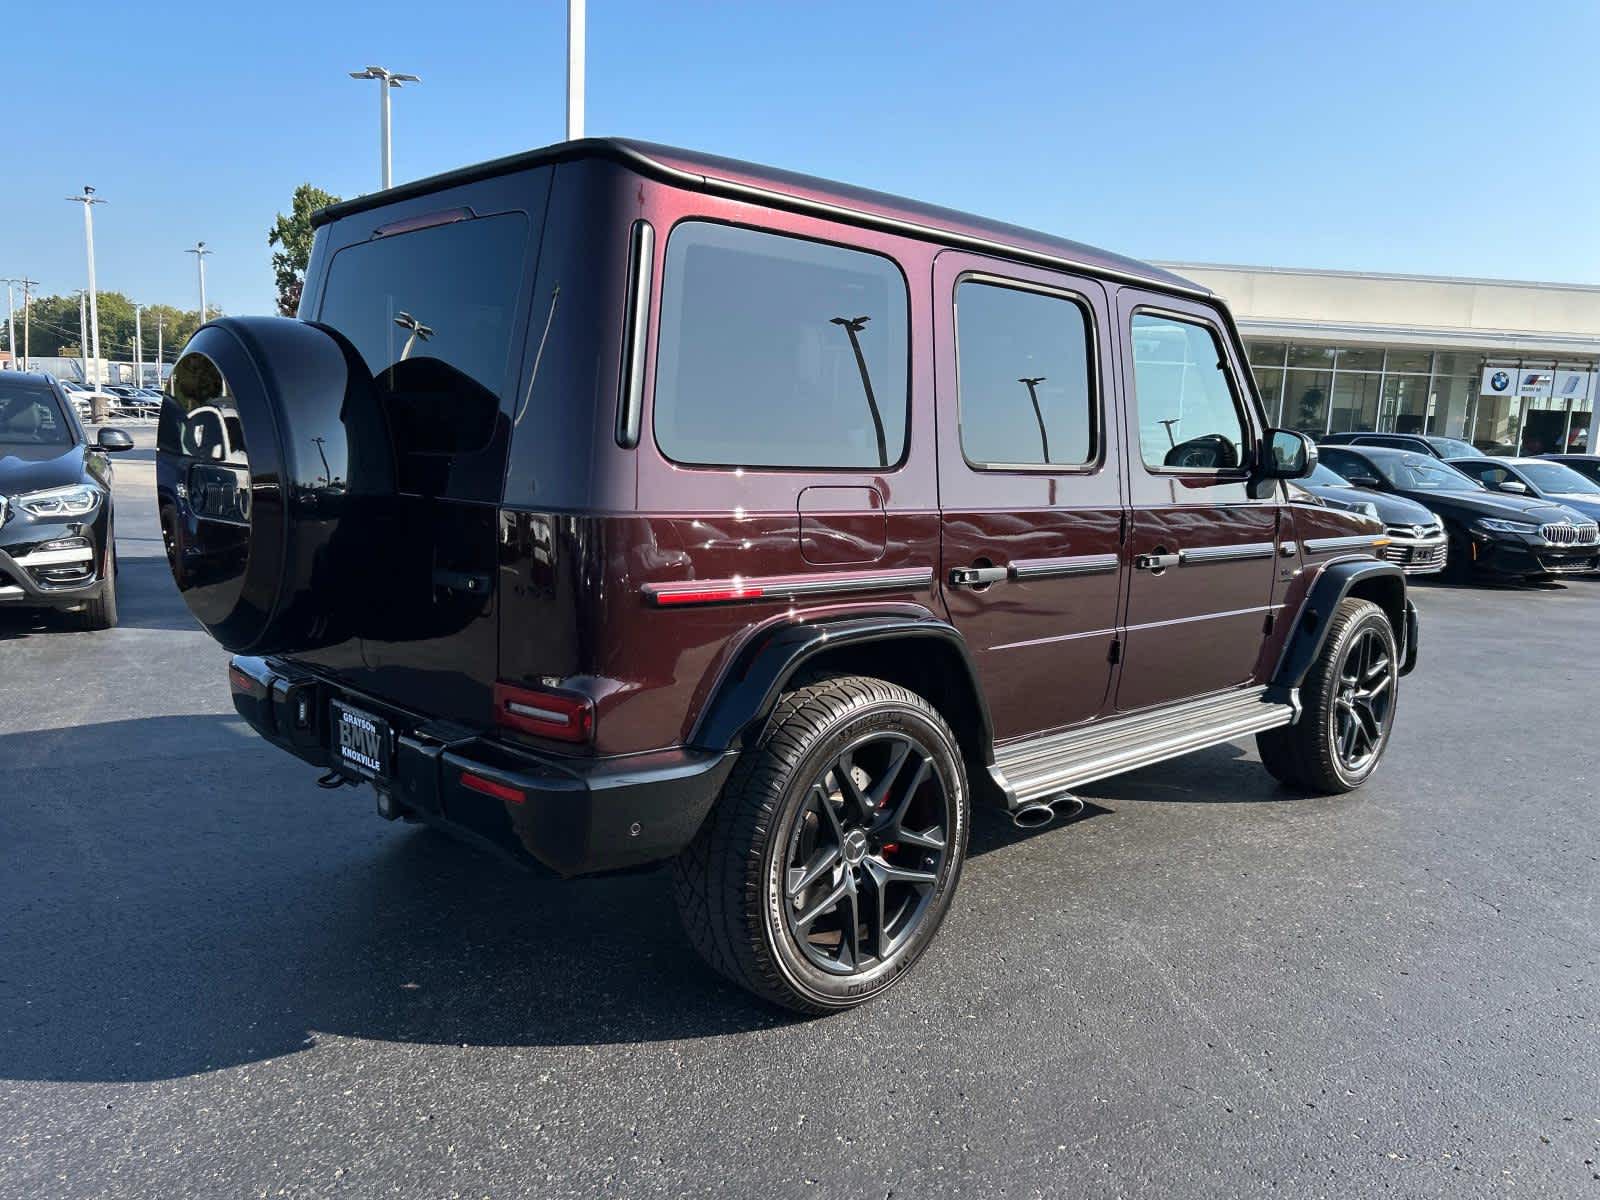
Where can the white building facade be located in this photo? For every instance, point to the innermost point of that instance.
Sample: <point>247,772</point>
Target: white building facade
<point>1512,367</point>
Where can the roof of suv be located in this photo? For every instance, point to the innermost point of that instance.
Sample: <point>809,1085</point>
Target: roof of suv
<point>804,193</point>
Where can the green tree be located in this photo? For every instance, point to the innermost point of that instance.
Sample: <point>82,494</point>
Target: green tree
<point>294,235</point>
<point>53,332</point>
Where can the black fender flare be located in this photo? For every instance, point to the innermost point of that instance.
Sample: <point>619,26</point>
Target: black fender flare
<point>1336,581</point>
<point>737,710</point>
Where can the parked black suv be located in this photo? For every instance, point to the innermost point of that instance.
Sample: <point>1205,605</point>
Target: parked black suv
<point>1418,443</point>
<point>56,548</point>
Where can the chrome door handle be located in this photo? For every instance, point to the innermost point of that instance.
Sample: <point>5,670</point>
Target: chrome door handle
<point>978,576</point>
<point>1156,562</point>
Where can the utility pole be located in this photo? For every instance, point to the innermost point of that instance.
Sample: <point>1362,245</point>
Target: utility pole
<point>386,79</point>
<point>138,347</point>
<point>575,64</point>
<point>160,325</point>
<point>27,298</point>
<point>199,251</point>
<point>88,201</point>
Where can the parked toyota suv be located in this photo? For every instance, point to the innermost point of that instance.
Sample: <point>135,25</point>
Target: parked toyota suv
<point>615,504</point>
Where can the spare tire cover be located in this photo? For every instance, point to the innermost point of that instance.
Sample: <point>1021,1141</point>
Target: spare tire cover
<point>275,476</point>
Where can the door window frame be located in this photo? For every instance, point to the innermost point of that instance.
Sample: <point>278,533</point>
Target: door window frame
<point>1230,376</point>
<point>1097,377</point>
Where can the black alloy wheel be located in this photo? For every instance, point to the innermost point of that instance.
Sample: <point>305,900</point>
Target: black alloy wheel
<point>864,852</point>
<point>1364,700</point>
<point>828,863</point>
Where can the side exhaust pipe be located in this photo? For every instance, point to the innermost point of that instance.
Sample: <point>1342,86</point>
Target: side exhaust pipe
<point>1039,813</point>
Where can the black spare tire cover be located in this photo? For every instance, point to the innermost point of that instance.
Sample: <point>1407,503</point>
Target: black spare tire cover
<point>275,476</point>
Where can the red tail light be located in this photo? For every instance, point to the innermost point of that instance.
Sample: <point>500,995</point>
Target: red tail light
<point>489,787</point>
<point>544,712</point>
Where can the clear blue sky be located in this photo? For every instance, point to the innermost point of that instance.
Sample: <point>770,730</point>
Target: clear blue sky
<point>1441,138</point>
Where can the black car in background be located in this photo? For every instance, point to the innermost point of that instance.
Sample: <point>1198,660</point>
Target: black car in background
<point>1587,465</point>
<point>1418,443</point>
<point>1490,532</point>
<point>1536,477</point>
<point>56,548</point>
<point>1416,535</point>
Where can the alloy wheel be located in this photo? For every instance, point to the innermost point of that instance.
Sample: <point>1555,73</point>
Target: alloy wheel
<point>865,853</point>
<point>1363,700</point>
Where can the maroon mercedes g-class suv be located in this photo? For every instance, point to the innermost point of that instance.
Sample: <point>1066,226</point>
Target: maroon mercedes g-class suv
<point>615,504</point>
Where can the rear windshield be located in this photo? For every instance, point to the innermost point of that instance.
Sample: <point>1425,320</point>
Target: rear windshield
<point>433,314</point>
<point>30,416</point>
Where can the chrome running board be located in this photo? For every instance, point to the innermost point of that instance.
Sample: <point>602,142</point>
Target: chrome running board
<point>1031,770</point>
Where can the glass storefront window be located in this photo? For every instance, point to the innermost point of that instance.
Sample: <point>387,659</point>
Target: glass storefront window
<point>1266,354</point>
<point>1269,383</point>
<point>1455,363</point>
<point>1410,362</point>
<point>1355,401</point>
<point>1305,400</point>
<point>1360,360</point>
<point>1311,356</point>
<point>1405,404</point>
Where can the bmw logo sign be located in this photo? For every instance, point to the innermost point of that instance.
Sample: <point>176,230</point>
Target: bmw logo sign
<point>1500,381</point>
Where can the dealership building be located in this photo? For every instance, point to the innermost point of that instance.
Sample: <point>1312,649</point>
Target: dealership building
<point>1512,367</point>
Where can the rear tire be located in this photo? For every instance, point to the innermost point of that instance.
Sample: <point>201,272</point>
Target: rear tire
<point>830,859</point>
<point>1349,698</point>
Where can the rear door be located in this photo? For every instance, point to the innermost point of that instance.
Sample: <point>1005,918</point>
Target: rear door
<point>1029,486</point>
<point>434,297</point>
<point>1201,552</point>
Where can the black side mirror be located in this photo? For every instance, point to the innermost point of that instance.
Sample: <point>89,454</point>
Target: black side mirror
<point>113,440</point>
<point>1286,454</point>
<point>1363,480</point>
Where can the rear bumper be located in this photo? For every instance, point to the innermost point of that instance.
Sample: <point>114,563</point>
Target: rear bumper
<point>575,816</point>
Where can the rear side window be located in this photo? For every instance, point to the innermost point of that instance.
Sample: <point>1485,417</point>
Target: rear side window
<point>1022,365</point>
<point>1188,418</point>
<point>779,352</point>
<point>433,314</point>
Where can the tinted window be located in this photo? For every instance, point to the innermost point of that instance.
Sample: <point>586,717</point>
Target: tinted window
<point>1553,477</point>
<point>1347,464</point>
<point>779,352</point>
<point>1321,476</point>
<point>432,313</point>
<point>1023,377</point>
<point>1187,415</point>
<point>29,416</point>
<point>1419,472</point>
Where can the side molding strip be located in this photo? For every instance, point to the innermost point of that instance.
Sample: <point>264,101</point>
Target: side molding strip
<point>1051,568</point>
<point>785,587</point>
<point>1216,554</point>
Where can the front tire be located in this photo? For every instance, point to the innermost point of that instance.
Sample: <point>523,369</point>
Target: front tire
<point>829,861</point>
<point>1349,699</point>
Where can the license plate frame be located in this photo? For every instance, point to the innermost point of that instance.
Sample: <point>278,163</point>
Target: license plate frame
<point>361,742</point>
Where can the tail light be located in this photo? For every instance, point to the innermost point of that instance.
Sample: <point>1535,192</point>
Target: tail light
<point>544,712</point>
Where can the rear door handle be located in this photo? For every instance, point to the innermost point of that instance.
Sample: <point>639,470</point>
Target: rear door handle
<point>978,576</point>
<point>1156,562</point>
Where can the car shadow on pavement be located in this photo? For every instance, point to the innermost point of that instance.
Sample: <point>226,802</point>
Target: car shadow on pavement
<point>198,903</point>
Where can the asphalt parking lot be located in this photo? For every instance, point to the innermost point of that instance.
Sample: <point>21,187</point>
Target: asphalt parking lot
<point>217,979</point>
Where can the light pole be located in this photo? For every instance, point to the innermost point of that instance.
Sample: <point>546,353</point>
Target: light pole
<point>386,79</point>
<point>27,299</point>
<point>1032,384</point>
<point>138,348</point>
<point>852,327</point>
<point>88,201</point>
<point>161,321</point>
<point>199,251</point>
<point>575,56</point>
<point>418,331</point>
<point>11,324</point>
<point>83,336</point>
